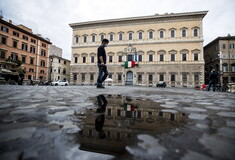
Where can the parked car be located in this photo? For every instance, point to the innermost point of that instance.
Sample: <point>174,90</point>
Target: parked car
<point>60,83</point>
<point>161,84</point>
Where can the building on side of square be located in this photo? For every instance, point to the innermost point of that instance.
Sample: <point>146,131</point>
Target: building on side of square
<point>220,55</point>
<point>167,47</point>
<point>59,68</point>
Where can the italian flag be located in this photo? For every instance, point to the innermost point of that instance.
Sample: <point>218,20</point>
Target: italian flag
<point>129,64</point>
<point>129,107</point>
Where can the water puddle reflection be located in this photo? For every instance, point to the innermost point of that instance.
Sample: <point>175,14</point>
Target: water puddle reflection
<point>116,121</point>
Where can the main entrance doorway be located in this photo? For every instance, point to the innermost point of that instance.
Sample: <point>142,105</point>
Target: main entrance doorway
<point>129,78</point>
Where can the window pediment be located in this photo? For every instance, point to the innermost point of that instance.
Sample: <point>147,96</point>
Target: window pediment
<point>184,51</point>
<point>161,52</point>
<point>196,51</point>
<point>84,54</point>
<point>150,52</point>
<point>172,51</point>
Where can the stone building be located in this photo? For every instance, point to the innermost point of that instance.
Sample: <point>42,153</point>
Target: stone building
<point>220,55</point>
<point>166,47</point>
<point>19,43</point>
<point>59,68</point>
<point>55,51</point>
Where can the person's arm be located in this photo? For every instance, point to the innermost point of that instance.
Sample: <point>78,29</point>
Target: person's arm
<point>102,61</point>
<point>100,56</point>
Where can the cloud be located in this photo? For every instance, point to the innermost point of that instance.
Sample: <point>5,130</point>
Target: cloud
<point>51,18</point>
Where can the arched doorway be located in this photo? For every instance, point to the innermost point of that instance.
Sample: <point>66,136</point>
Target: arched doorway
<point>129,78</point>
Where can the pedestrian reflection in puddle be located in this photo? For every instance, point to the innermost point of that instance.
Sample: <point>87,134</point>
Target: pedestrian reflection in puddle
<point>116,120</point>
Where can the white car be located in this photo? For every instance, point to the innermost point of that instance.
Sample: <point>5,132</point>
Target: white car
<point>60,83</point>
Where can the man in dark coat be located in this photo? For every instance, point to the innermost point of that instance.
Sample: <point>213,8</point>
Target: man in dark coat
<point>213,79</point>
<point>101,60</point>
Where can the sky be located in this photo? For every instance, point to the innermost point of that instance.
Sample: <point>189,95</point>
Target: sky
<point>51,18</point>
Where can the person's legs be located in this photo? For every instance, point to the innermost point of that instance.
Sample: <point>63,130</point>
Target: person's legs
<point>214,85</point>
<point>106,73</point>
<point>99,79</point>
<point>209,86</point>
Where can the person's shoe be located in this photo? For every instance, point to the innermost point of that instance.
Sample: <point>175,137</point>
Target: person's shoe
<point>100,87</point>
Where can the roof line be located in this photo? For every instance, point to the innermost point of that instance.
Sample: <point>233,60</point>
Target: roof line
<point>203,13</point>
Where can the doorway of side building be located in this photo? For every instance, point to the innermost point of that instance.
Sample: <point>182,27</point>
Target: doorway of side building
<point>129,78</point>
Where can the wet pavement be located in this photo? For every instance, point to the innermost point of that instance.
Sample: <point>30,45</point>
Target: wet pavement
<point>119,122</point>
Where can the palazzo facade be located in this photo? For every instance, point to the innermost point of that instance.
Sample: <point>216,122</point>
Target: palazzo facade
<point>167,47</point>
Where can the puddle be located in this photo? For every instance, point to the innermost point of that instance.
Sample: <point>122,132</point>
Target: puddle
<point>115,124</point>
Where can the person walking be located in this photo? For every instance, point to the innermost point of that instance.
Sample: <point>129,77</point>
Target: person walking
<point>213,79</point>
<point>101,60</point>
<point>21,71</point>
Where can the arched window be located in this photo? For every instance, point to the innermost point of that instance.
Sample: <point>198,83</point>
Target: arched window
<point>42,71</point>
<point>140,35</point>
<point>85,39</point>
<point>93,38</point>
<point>150,35</point>
<point>130,36</point>
<point>161,34</point>
<point>76,39</point>
<point>111,37</point>
<point>120,37</point>
<point>102,37</point>
<point>195,32</point>
<point>184,33</point>
<point>172,33</point>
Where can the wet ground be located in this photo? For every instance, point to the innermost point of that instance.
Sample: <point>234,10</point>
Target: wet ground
<point>82,122</point>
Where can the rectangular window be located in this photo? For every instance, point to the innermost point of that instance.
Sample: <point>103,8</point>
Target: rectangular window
<point>92,77</point>
<point>119,58</point>
<point>4,40</point>
<point>75,77</point>
<point>76,60</point>
<point>139,114</point>
<point>3,54</point>
<point>64,62</point>
<point>110,76</point>
<point>140,77</point>
<point>4,29</point>
<point>118,112</point>
<point>184,57</point>
<point>33,40</point>
<point>43,63</point>
<point>83,77</point>
<point>161,77</point>
<point>84,59</point>
<point>31,60</point>
<point>15,34</point>
<point>109,112</point>
<point>24,47</point>
<point>150,77</point>
<point>92,59</point>
<point>110,58</point>
<point>23,59</point>
<point>184,77</point>
<point>43,45</point>
<point>43,53</point>
<point>150,58</point>
<point>195,57</point>
<point>32,49</point>
<point>14,56</point>
<point>59,60</point>
<point>172,57</point>
<point>140,58</point>
<point>161,57</point>
<point>232,46</point>
<point>224,46</point>
<point>119,77</point>
<point>196,77</point>
<point>15,44</point>
<point>25,37</point>
<point>172,78</point>
<point>129,57</point>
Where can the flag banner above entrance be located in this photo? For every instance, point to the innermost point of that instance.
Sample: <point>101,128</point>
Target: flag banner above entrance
<point>128,107</point>
<point>129,64</point>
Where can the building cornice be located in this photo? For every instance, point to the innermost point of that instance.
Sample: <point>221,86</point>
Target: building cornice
<point>138,20</point>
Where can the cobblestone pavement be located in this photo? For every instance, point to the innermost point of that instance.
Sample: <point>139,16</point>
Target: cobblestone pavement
<point>38,122</point>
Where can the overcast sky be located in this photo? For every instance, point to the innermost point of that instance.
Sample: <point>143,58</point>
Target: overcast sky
<point>51,17</point>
